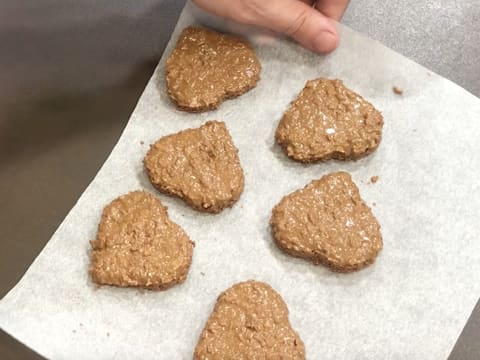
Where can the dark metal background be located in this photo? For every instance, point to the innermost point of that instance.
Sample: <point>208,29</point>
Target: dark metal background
<point>71,72</point>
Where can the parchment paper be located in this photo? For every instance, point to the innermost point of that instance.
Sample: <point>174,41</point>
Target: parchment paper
<point>411,304</point>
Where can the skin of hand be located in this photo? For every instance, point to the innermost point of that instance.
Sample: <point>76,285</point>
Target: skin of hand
<point>310,25</point>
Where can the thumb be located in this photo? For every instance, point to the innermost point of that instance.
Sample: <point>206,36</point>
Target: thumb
<point>301,22</point>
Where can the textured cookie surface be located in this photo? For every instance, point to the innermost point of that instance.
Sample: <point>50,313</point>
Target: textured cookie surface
<point>207,67</point>
<point>327,222</point>
<point>329,121</point>
<point>250,321</point>
<point>138,245</point>
<point>200,166</point>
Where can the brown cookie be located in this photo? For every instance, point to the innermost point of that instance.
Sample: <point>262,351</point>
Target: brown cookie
<point>328,121</point>
<point>250,321</point>
<point>207,67</point>
<point>327,222</point>
<point>200,166</point>
<point>138,245</point>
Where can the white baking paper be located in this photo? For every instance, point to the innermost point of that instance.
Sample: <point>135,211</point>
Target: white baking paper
<point>411,304</point>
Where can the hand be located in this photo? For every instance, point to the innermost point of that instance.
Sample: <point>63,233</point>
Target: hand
<point>310,26</point>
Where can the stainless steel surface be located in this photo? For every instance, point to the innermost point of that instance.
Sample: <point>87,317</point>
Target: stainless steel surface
<point>443,35</point>
<point>72,70</point>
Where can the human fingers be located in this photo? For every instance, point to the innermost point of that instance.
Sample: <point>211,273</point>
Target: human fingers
<point>334,9</point>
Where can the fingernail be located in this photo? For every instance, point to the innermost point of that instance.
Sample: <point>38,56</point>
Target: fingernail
<point>325,42</point>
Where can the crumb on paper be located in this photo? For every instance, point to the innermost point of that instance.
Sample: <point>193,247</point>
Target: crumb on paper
<point>374,204</point>
<point>108,334</point>
<point>202,273</point>
<point>81,324</point>
<point>374,179</point>
<point>142,142</point>
<point>397,90</point>
<point>74,331</point>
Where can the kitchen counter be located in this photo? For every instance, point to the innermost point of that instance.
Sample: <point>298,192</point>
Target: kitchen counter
<point>72,71</point>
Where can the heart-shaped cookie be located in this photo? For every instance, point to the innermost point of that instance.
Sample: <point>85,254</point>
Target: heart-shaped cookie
<point>207,67</point>
<point>327,222</point>
<point>138,245</point>
<point>200,166</point>
<point>329,121</point>
<point>250,321</point>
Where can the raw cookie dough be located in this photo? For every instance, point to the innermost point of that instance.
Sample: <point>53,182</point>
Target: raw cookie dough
<point>138,245</point>
<point>200,166</point>
<point>250,321</point>
<point>328,121</point>
<point>207,67</point>
<point>328,223</point>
